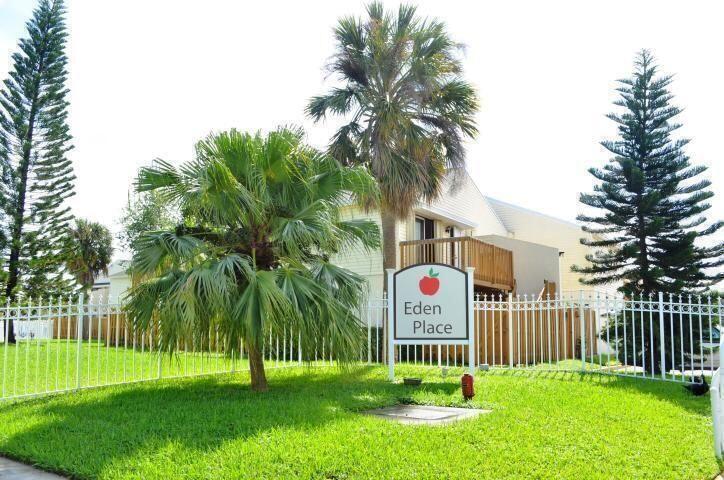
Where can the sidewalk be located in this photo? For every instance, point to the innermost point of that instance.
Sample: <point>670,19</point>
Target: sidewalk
<point>12,470</point>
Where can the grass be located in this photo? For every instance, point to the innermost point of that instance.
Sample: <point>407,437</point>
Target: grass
<point>544,425</point>
<point>29,368</point>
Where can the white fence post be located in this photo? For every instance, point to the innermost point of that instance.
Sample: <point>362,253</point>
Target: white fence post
<point>299,348</point>
<point>583,330</point>
<point>160,353</point>
<point>79,340</point>
<point>6,345</point>
<point>662,352</point>
<point>510,329</point>
<point>472,346</point>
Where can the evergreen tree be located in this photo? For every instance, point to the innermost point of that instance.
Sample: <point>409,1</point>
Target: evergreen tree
<point>651,203</point>
<point>650,199</point>
<point>36,173</point>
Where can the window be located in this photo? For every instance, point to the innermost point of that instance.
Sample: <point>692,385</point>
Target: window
<point>424,228</point>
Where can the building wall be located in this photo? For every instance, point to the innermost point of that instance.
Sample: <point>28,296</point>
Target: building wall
<point>360,260</point>
<point>99,294</point>
<point>464,208</point>
<point>493,217</point>
<point>120,283</point>
<point>466,201</point>
<point>539,228</point>
<point>532,263</point>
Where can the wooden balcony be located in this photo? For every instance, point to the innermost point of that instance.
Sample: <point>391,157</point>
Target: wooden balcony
<point>493,265</point>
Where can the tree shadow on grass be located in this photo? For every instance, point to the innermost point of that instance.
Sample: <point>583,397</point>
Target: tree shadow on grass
<point>80,434</point>
<point>671,392</point>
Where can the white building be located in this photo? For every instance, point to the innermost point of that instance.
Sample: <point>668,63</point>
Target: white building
<point>114,285</point>
<point>513,249</point>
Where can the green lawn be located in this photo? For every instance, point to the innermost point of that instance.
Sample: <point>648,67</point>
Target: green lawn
<point>543,425</point>
<point>30,368</point>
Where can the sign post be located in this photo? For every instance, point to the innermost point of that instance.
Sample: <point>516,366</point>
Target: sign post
<point>390,323</point>
<point>430,304</point>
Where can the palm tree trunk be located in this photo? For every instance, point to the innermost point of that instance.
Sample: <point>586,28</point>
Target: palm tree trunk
<point>256,369</point>
<point>389,257</point>
<point>389,240</point>
<point>11,332</point>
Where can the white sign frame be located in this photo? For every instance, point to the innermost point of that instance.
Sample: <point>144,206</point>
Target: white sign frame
<point>392,324</point>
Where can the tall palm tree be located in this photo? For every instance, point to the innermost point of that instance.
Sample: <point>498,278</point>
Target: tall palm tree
<point>252,255</point>
<point>90,253</point>
<point>408,108</point>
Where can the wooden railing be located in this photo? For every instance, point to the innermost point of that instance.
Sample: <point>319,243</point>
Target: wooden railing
<point>493,265</point>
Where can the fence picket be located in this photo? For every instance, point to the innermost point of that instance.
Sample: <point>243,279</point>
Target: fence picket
<point>79,336</point>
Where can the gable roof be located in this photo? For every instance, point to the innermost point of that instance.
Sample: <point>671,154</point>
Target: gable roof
<point>509,214</point>
<point>464,201</point>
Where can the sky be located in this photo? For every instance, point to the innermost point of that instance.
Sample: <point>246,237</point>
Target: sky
<point>150,78</point>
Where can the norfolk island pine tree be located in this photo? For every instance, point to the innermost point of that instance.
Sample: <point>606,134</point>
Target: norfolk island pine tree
<point>650,205</point>
<point>37,176</point>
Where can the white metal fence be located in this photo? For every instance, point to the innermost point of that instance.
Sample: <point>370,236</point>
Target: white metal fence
<point>67,345</point>
<point>665,337</point>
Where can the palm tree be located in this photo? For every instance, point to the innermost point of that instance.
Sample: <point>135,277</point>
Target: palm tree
<point>408,108</point>
<point>260,221</point>
<point>91,252</point>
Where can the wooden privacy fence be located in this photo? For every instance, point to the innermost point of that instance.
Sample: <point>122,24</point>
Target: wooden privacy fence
<point>109,327</point>
<point>105,323</point>
<point>539,335</point>
<point>541,332</point>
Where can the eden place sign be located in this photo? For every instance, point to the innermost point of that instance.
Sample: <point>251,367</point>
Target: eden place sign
<point>431,304</point>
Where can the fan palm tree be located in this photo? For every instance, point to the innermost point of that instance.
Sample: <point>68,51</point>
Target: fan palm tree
<point>408,107</point>
<point>260,221</point>
<point>90,253</point>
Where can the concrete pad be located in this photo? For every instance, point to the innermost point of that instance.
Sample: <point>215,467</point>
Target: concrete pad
<point>12,470</point>
<point>425,414</point>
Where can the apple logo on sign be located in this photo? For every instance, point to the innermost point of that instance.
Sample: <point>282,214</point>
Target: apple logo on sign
<point>430,284</point>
